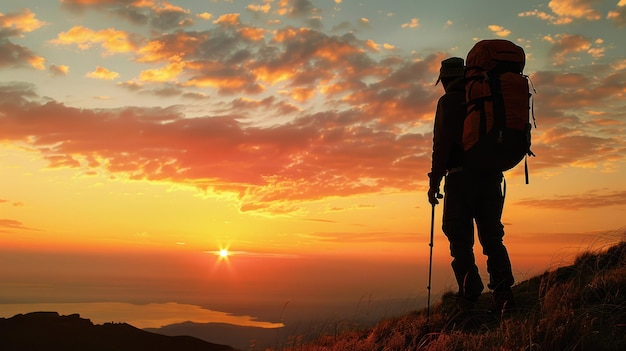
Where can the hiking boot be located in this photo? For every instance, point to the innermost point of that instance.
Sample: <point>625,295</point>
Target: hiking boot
<point>504,301</point>
<point>466,303</point>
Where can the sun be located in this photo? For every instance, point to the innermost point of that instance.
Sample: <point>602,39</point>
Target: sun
<point>223,253</point>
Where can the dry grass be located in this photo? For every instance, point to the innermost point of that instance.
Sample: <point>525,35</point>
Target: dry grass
<point>578,307</point>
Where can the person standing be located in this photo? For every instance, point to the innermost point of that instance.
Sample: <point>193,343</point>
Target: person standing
<point>471,195</point>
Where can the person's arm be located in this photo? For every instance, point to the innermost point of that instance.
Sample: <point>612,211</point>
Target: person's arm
<point>442,144</point>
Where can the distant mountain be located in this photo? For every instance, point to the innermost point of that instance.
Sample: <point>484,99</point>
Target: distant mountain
<point>304,324</point>
<point>238,336</point>
<point>51,332</point>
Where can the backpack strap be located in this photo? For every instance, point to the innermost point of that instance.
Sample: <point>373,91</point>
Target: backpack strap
<point>526,168</point>
<point>499,119</point>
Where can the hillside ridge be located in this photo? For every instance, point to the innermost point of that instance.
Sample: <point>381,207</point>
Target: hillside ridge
<point>51,332</point>
<point>581,306</point>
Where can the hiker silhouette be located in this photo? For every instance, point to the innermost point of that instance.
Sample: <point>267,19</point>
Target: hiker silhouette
<point>472,195</point>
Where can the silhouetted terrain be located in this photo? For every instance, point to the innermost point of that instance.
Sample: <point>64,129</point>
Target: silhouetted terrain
<point>238,336</point>
<point>577,307</point>
<point>51,332</point>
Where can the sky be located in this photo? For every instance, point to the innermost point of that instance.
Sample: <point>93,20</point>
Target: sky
<point>138,138</point>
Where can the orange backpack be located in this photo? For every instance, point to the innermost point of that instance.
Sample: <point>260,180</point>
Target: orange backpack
<point>496,131</point>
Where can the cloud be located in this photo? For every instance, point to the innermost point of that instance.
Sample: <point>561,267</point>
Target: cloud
<point>113,41</point>
<point>414,23</point>
<point>10,225</point>
<point>320,155</point>
<point>368,133</point>
<point>229,19</point>
<point>592,199</point>
<point>102,73</point>
<point>60,70</point>
<point>566,11</point>
<point>17,24</point>
<point>577,9</point>
<point>499,30</point>
<point>297,8</point>
<point>541,15</point>
<point>256,8</point>
<point>328,153</point>
<point>165,74</point>
<point>20,22</point>
<point>160,15</point>
<point>205,16</point>
<point>359,238</point>
<point>619,14</point>
<point>566,44</point>
<point>571,130</point>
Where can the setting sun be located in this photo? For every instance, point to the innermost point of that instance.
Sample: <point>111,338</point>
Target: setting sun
<point>223,253</point>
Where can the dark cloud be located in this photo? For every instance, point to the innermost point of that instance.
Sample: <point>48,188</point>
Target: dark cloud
<point>13,55</point>
<point>301,8</point>
<point>10,225</point>
<point>158,16</point>
<point>595,199</point>
<point>567,44</point>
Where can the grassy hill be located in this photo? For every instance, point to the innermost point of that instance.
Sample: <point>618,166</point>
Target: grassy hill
<point>578,307</point>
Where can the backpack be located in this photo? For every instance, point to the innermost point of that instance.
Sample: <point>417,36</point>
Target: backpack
<point>496,130</point>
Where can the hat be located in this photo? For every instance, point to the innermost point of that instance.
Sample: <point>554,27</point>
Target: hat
<point>451,67</point>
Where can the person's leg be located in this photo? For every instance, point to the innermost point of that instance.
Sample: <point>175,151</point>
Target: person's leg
<point>489,206</point>
<point>458,226</point>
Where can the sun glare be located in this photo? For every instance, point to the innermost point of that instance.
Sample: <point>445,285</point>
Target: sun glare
<point>223,253</point>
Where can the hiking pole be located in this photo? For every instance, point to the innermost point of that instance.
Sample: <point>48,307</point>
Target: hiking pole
<point>430,264</point>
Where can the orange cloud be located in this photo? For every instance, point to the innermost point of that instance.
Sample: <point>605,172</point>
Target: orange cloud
<point>372,45</point>
<point>112,40</point>
<point>165,74</point>
<point>166,6</point>
<point>88,2</point>
<point>252,33</point>
<point>37,62</point>
<point>23,21</point>
<point>619,14</point>
<point>499,30</point>
<point>205,16</point>
<point>102,73</point>
<point>230,19</point>
<point>59,70</point>
<point>414,23</point>
<point>593,199</point>
<point>16,25</point>
<point>302,94</point>
<point>162,14</point>
<point>541,15</point>
<point>7,225</point>
<point>260,8</point>
<point>567,9</point>
<point>320,155</point>
<point>565,44</point>
<point>171,47</point>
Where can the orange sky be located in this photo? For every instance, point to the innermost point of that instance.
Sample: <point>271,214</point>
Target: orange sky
<point>139,137</point>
